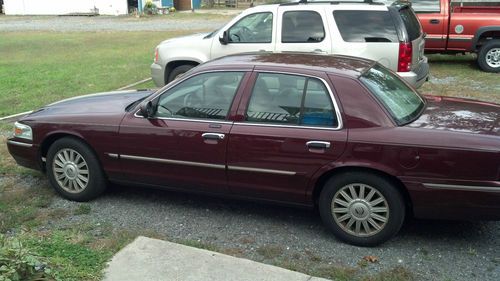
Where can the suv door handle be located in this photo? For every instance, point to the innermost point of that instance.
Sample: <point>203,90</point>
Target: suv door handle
<point>318,144</point>
<point>213,136</point>
<point>319,51</point>
<point>434,21</point>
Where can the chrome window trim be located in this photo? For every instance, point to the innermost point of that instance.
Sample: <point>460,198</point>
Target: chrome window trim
<point>462,187</point>
<point>259,170</point>
<point>212,121</point>
<point>171,161</point>
<point>22,144</point>
<point>332,98</point>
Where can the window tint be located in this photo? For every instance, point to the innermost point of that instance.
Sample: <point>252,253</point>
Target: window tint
<point>366,26</point>
<point>291,100</point>
<point>426,6</point>
<point>411,23</point>
<point>302,27</point>
<point>254,28</point>
<point>401,101</point>
<point>207,96</point>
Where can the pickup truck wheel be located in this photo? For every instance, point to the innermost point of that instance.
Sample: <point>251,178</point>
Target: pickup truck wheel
<point>362,209</point>
<point>176,72</point>
<point>489,56</point>
<point>74,170</point>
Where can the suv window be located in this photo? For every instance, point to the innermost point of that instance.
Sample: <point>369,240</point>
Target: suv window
<point>254,28</point>
<point>401,101</point>
<point>375,26</point>
<point>411,23</point>
<point>302,27</point>
<point>206,96</point>
<point>426,6</point>
<point>291,100</point>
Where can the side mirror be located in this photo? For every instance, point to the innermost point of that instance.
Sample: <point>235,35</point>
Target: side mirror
<point>147,109</point>
<point>225,38</point>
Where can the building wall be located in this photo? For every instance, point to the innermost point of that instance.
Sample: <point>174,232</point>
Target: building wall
<point>62,7</point>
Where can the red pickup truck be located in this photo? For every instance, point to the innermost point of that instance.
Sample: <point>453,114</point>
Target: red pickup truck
<point>457,26</point>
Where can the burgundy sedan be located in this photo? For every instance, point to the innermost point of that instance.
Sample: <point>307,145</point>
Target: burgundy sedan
<point>342,134</point>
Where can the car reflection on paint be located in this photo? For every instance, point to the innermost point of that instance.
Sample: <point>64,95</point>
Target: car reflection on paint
<point>338,133</point>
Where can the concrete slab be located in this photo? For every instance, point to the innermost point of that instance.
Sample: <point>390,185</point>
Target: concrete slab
<point>157,260</point>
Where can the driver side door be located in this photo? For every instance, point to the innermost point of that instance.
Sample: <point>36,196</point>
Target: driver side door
<point>183,145</point>
<point>252,33</point>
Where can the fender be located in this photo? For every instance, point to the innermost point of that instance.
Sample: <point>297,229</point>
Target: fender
<point>480,32</point>
<point>338,165</point>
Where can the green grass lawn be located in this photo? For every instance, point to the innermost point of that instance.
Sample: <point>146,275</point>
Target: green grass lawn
<point>37,68</point>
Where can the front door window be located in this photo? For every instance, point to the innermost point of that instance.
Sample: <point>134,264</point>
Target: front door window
<point>205,96</point>
<point>254,28</point>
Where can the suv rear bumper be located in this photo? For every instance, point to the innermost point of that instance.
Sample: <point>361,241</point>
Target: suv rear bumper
<point>158,74</point>
<point>417,77</point>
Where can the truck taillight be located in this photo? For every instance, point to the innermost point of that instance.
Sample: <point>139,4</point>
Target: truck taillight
<point>156,54</point>
<point>405,54</point>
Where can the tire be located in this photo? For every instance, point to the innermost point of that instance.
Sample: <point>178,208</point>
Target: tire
<point>488,58</point>
<point>181,69</point>
<point>74,170</point>
<point>389,205</point>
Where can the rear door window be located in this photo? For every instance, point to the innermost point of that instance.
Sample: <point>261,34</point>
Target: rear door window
<point>411,23</point>
<point>302,27</point>
<point>366,26</point>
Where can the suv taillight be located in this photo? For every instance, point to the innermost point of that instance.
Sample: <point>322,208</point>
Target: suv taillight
<point>404,60</point>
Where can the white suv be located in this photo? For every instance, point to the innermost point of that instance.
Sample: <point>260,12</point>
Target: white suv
<point>391,35</point>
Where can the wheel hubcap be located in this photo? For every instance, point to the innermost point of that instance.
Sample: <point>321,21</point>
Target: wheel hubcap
<point>70,170</point>
<point>493,57</point>
<point>360,210</point>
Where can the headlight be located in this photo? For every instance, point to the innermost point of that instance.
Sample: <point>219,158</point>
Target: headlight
<point>23,131</point>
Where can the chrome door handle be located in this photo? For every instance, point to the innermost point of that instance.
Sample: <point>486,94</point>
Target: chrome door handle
<point>213,136</point>
<point>318,144</point>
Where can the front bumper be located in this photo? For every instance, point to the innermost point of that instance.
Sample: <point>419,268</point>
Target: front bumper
<point>158,74</point>
<point>25,154</point>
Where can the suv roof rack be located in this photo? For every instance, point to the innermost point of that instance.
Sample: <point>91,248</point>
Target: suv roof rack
<point>335,2</point>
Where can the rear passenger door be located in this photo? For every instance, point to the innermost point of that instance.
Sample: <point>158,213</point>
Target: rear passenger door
<point>302,29</point>
<point>289,128</point>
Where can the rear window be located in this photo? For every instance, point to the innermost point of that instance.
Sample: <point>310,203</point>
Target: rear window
<point>411,23</point>
<point>366,26</point>
<point>426,6</point>
<point>402,102</point>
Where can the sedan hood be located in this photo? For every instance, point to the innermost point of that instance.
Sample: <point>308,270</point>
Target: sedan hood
<point>460,115</point>
<point>110,102</point>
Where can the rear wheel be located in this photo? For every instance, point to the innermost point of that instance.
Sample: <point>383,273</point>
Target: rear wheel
<point>74,171</point>
<point>179,70</point>
<point>488,58</point>
<point>362,209</point>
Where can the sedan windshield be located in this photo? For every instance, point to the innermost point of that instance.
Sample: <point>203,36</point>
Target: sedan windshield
<point>403,103</point>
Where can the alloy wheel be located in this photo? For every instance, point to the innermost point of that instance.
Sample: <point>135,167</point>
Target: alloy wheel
<point>493,57</point>
<point>360,210</point>
<point>70,170</point>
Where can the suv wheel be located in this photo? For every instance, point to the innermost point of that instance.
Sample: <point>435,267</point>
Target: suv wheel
<point>362,209</point>
<point>489,56</point>
<point>179,70</point>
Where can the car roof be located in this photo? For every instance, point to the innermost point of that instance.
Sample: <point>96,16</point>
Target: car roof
<point>335,64</point>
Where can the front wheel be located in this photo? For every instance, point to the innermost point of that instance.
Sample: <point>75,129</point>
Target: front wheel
<point>362,209</point>
<point>488,58</point>
<point>74,170</point>
<point>178,71</point>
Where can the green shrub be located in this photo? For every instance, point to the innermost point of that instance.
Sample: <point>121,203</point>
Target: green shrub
<point>18,263</point>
